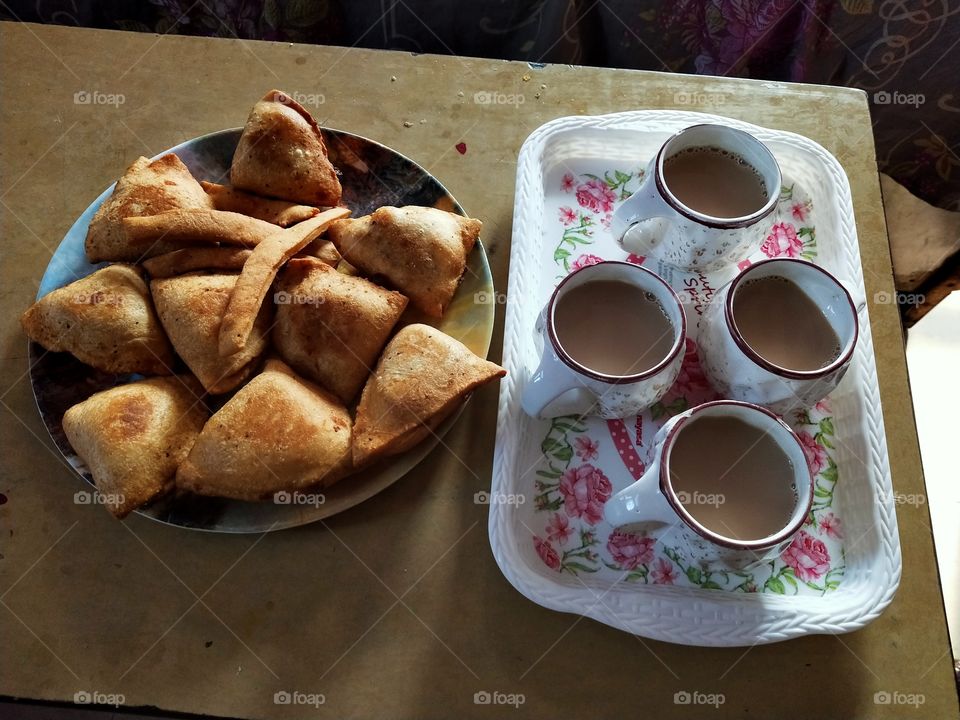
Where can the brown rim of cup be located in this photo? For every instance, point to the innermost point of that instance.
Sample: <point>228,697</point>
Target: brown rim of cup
<point>678,343</point>
<point>701,219</point>
<point>668,492</point>
<point>758,359</point>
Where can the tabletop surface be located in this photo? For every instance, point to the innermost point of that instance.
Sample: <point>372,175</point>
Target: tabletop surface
<point>395,608</point>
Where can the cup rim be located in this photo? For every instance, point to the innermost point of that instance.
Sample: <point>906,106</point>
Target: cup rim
<point>771,367</point>
<point>712,221</point>
<point>580,369</point>
<point>690,521</point>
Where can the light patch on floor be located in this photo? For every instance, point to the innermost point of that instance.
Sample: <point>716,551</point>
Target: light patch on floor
<point>933,358</point>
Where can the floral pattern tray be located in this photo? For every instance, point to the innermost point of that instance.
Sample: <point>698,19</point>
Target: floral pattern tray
<point>548,535</point>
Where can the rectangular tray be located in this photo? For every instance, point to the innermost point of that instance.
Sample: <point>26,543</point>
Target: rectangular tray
<point>845,567</point>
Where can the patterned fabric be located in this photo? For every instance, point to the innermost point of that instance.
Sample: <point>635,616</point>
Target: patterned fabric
<point>899,52</point>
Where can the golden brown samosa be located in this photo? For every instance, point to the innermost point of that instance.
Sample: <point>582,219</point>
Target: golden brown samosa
<point>105,320</point>
<point>322,249</point>
<point>132,437</point>
<point>191,309</point>
<point>331,327</point>
<point>192,227</point>
<point>278,212</point>
<point>422,376</point>
<point>259,271</point>
<point>279,433</point>
<point>421,251</point>
<point>281,154</point>
<point>146,188</point>
<point>181,262</point>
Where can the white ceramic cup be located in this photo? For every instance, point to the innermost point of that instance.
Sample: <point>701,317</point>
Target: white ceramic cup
<point>653,503</point>
<point>592,392</point>
<point>662,227</point>
<point>738,372</point>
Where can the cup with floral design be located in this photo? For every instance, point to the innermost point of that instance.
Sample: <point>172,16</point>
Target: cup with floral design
<point>561,385</point>
<point>740,372</point>
<point>652,506</point>
<point>654,222</point>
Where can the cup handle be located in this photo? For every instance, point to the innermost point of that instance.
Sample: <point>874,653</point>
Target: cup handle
<point>644,204</point>
<point>549,381</point>
<point>641,502</point>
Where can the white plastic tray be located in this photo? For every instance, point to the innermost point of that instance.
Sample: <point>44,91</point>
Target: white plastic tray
<point>845,569</point>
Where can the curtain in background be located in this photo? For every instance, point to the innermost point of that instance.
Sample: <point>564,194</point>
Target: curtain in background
<point>904,53</point>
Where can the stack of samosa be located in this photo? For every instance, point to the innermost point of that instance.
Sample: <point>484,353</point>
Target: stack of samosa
<point>264,299</point>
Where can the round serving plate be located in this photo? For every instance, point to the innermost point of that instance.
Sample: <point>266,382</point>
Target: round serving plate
<point>372,175</point>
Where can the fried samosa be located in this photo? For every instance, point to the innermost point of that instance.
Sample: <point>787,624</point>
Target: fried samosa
<point>421,251</point>
<point>278,212</point>
<point>322,249</point>
<point>191,310</point>
<point>278,433</point>
<point>146,188</point>
<point>422,376</point>
<point>331,327</point>
<point>258,274</point>
<point>181,262</point>
<point>196,227</point>
<point>281,154</point>
<point>105,320</point>
<point>132,437</point>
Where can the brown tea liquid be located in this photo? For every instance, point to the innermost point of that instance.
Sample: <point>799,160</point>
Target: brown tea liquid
<point>613,327</point>
<point>783,325</point>
<point>715,182</point>
<point>733,478</point>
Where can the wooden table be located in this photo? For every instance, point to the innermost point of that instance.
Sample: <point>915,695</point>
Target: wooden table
<point>396,608</point>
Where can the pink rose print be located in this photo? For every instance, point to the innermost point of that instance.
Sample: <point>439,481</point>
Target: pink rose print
<point>587,448</point>
<point>743,265</point>
<point>547,553</point>
<point>630,550</point>
<point>815,453</point>
<point>558,529</point>
<point>606,220</point>
<point>691,382</point>
<point>567,183</point>
<point>635,259</point>
<point>807,556</point>
<point>830,524</point>
<point>799,211</point>
<point>782,242</point>
<point>663,572</point>
<point>823,406</point>
<point>596,196</point>
<point>585,489</point>
<point>584,260</point>
<point>568,216</point>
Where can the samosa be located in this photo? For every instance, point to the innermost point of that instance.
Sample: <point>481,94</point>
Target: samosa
<point>191,310</point>
<point>422,376</point>
<point>181,262</point>
<point>278,212</point>
<point>106,320</point>
<point>279,433</point>
<point>147,187</point>
<point>331,327</point>
<point>422,252</point>
<point>132,437</point>
<point>258,274</point>
<point>281,154</point>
